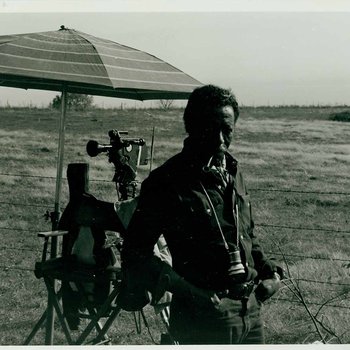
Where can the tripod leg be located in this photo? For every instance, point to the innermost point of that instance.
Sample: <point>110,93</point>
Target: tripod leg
<point>164,314</point>
<point>58,308</point>
<point>98,324</point>
<point>36,328</point>
<point>50,322</point>
<point>108,323</point>
<point>91,310</point>
<point>102,311</point>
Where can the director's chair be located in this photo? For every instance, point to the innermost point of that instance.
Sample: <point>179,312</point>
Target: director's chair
<point>88,270</point>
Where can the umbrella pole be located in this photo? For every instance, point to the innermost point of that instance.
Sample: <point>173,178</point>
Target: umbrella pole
<point>152,150</point>
<point>56,214</point>
<point>60,156</point>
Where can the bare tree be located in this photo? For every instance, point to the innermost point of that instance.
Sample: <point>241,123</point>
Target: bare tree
<point>325,333</point>
<point>166,104</point>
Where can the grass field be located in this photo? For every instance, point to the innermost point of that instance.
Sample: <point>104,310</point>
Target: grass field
<point>296,163</point>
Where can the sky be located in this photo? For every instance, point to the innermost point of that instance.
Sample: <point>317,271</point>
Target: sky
<point>268,52</point>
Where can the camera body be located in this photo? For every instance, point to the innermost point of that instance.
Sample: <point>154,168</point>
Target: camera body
<point>126,154</point>
<point>116,143</point>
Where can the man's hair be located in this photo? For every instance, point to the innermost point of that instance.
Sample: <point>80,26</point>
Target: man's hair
<point>203,100</point>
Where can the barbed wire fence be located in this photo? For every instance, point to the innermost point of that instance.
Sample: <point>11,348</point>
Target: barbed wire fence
<point>37,249</point>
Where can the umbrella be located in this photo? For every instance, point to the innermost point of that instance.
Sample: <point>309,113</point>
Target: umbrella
<point>70,61</point>
<point>82,63</point>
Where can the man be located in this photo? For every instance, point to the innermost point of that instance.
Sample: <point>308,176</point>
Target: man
<point>198,201</point>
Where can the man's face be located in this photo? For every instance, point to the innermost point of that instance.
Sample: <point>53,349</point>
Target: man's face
<point>215,134</point>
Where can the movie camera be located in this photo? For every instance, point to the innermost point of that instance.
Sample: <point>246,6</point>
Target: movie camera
<point>125,153</point>
<point>117,143</point>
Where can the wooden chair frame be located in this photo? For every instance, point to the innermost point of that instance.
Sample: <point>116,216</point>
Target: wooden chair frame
<point>52,270</point>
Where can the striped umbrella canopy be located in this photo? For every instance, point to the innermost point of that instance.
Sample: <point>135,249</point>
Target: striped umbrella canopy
<point>76,62</point>
<point>70,61</point>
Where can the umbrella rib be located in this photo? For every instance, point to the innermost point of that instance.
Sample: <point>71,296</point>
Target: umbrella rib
<point>101,77</point>
<point>90,54</point>
<point>89,42</point>
<point>88,64</point>
<point>82,43</point>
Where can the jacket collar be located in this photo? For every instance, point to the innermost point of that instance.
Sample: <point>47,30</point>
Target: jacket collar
<point>191,154</point>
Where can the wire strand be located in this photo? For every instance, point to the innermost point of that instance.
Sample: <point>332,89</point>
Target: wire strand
<point>26,205</point>
<point>18,229</point>
<point>32,249</point>
<point>34,176</point>
<point>323,282</point>
<point>49,177</point>
<point>251,189</point>
<point>7,268</point>
<point>276,300</point>
<point>308,257</point>
<point>298,191</point>
<point>300,228</point>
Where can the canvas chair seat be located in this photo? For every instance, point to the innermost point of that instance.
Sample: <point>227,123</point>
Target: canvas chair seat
<point>70,270</point>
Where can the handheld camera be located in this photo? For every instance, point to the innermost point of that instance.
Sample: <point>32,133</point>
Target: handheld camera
<point>125,153</point>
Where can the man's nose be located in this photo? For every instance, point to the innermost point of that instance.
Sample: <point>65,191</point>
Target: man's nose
<point>221,138</point>
<point>218,140</point>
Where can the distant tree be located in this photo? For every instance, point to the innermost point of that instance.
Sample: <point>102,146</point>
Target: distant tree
<point>166,104</point>
<point>77,102</point>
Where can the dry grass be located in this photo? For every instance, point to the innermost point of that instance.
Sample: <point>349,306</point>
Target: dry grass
<point>278,148</point>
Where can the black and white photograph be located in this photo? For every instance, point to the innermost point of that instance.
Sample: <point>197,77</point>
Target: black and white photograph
<point>175,173</point>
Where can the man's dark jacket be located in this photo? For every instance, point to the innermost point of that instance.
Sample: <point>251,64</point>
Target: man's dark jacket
<point>173,203</point>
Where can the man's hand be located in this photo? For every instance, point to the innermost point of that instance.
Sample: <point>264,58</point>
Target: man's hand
<point>267,288</point>
<point>203,296</point>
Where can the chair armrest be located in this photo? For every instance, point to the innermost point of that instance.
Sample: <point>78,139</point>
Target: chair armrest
<point>48,234</point>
